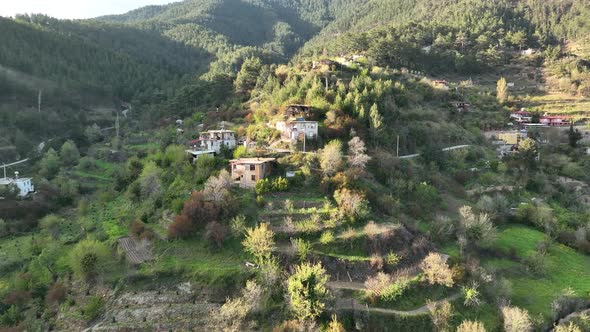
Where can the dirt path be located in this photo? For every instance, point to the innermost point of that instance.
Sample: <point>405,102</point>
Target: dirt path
<point>352,304</point>
<point>346,285</point>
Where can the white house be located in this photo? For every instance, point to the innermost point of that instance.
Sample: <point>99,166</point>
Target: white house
<point>23,185</point>
<point>293,129</point>
<point>213,140</point>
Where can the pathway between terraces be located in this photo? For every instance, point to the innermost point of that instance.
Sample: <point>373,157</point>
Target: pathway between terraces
<point>352,304</point>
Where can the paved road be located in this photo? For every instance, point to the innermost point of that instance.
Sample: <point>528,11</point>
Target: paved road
<point>451,148</point>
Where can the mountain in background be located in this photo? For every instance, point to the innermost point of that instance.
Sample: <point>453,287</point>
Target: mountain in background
<point>183,57</point>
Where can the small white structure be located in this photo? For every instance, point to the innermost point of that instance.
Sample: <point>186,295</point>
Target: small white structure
<point>213,140</point>
<point>588,151</point>
<point>295,128</point>
<point>23,185</point>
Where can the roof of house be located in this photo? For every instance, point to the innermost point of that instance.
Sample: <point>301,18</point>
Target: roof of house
<point>252,161</point>
<point>219,131</point>
<point>198,153</point>
<point>549,117</point>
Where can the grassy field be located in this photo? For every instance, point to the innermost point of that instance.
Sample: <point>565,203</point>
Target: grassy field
<point>195,260</point>
<point>566,269</point>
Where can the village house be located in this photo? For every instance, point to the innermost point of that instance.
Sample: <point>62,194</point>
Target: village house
<point>247,171</point>
<point>214,140</point>
<point>24,186</point>
<point>555,120</point>
<point>294,129</point>
<point>521,117</point>
<point>506,141</point>
<point>461,106</point>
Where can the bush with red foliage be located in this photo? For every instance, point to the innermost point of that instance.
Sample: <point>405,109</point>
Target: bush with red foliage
<point>196,213</point>
<point>137,227</point>
<point>56,294</point>
<point>17,297</point>
<point>216,233</point>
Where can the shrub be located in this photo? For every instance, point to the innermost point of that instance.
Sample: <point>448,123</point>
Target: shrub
<point>89,257</point>
<point>263,186</point>
<point>307,291</point>
<point>436,270</point>
<point>137,227</point>
<point>442,228</point>
<point>302,248</point>
<point>471,326</point>
<point>280,184</point>
<point>440,313</point>
<point>56,294</point>
<point>392,259</point>
<point>238,225</point>
<point>216,233</point>
<point>196,213</point>
<point>477,228</point>
<point>327,238</point>
<point>353,205</point>
<point>536,263</point>
<point>396,289</point>
<point>93,308</point>
<point>376,285</point>
<point>571,327</point>
<point>516,320</point>
<point>259,242</point>
<point>376,262</point>
<point>471,295</point>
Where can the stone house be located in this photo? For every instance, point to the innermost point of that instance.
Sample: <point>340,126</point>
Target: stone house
<point>245,172</point>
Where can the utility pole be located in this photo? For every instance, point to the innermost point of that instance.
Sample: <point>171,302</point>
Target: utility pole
<point>4,170</point>
<point>397,147</point>
<point>304,139</point>
<point>117,125</point>
<point>39,98</point>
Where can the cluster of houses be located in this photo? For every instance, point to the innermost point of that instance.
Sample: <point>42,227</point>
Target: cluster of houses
<point>525,119</point>
<point>246,172</point>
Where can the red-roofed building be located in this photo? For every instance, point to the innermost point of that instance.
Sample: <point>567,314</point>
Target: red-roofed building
<point>555,120</point>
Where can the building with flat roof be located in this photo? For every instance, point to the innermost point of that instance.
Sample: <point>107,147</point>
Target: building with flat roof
<point>245,172</point>
<point>214,140</point>
<point>293,129</point>
<point>23,185</point>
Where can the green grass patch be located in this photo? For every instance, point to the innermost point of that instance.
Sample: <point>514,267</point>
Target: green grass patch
<point>452,250</point>
<point>193,259</point>
<point>566,269</point>
<point>15,251</point>
<point>416,296</point>
<point>486,313</point>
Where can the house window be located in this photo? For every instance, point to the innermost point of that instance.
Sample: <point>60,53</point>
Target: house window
<point>253,177</point>
<point>252,167</point>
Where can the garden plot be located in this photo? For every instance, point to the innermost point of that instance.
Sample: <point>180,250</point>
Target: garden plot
<point>136,251</point>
